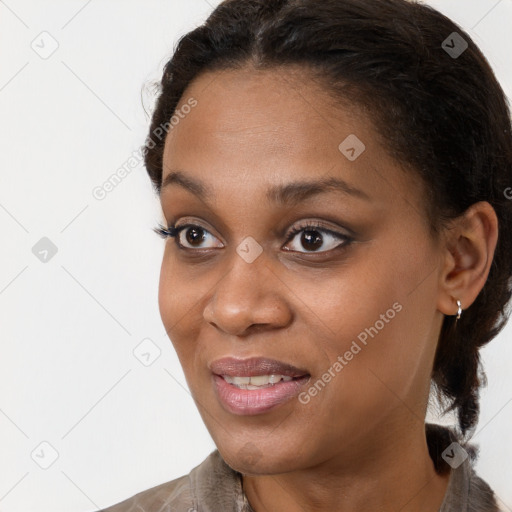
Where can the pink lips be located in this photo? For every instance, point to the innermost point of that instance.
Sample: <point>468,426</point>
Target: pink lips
<point>255,401</point>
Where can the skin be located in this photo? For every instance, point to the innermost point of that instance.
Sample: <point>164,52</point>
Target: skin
<point>358,445</point>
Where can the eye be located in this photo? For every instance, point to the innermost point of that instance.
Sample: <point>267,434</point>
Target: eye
<point>188,236</point>
<point>315,237</point>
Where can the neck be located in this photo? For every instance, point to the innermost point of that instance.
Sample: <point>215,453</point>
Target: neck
<point>397,475</point>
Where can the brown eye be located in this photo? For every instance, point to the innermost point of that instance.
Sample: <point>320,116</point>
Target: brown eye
<point>316,239</point>
<point>194,236</point>
<point>190,236</point>
<point>311,240</point>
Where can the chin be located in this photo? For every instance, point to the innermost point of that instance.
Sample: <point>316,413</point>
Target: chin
<point>254,459</point>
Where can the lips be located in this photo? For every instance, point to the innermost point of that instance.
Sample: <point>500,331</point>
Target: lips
<point>233,380</point>
<point>255,366</point>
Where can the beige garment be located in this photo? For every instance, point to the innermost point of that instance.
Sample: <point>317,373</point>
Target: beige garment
<point>213,486</point>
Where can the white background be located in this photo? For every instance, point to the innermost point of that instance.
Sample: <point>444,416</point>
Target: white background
<point>68,375</point>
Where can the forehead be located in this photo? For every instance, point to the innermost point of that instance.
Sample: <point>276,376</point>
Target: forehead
<point>272,126</point>
<point>277,108</point>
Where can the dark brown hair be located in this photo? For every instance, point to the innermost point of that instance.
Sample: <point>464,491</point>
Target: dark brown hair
<point>444,117</point>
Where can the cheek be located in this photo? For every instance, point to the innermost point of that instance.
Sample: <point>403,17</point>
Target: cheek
<point>181,289</point>
<point>179,304</point>
<point>183,293</point>
<point>374,369</point>
<point>381,325</point>
<point>339,305</point>
<point>376,297</point>
<point>169,290</point>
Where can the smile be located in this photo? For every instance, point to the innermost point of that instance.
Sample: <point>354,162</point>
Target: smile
<point>256,381</point>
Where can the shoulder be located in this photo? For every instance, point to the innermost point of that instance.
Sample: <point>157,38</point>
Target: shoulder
<point>481,497</point>
<point>466,492</point>
<point>177,490</point>
<point>212,483</point>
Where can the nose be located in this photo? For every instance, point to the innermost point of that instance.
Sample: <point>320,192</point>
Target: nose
<point>250,297</point>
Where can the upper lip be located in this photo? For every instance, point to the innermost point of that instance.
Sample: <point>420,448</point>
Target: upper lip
<point>254,366</point>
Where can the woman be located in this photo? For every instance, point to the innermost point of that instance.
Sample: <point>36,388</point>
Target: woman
<point>334,180</point>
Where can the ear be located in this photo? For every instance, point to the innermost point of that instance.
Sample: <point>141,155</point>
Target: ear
<point>469,248</point>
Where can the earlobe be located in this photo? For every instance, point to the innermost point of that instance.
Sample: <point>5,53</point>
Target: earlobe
<point>469,251</point>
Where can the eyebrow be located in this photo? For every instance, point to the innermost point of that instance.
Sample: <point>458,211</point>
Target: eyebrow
<point>293,192</point>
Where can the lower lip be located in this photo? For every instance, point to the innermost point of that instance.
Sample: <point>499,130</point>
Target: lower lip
<point>256,401</point>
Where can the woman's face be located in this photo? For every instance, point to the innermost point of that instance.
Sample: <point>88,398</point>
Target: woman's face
<point>349,300</point>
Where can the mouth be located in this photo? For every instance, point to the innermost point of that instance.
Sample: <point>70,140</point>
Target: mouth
<point>257,381</point>
<point>255,385</point>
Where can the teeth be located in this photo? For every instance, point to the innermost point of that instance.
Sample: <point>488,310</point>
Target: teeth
<point>257,381</point>
<point>237,380</point>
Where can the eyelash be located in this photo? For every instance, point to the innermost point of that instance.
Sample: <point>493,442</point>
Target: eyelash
<point>172,232</point>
